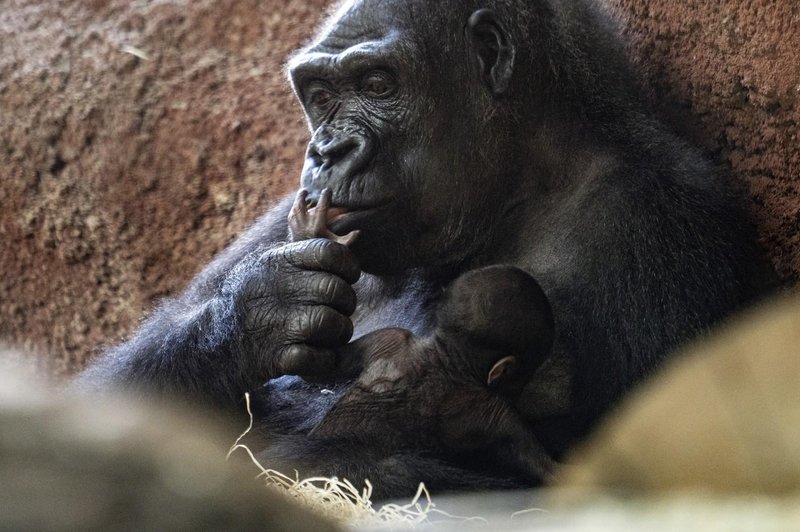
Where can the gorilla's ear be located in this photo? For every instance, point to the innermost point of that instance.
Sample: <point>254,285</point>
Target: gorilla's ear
<point>501,372</point>
<point>494,49</point>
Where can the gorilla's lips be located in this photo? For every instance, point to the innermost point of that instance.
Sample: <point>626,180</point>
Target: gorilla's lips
<point>332,214</point>
<point>343,220</point>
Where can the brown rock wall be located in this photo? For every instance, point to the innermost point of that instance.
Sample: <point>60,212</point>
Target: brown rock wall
<point>728,72</point>
<point>137,139</point>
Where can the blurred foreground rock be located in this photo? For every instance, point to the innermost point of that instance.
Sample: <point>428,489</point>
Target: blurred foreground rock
<point>725,417</point>
<point>111,464</point>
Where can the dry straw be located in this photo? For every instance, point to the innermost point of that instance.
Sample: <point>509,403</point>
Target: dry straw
<point>341,501</point>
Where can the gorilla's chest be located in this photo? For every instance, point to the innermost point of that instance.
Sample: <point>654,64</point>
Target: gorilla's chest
<point>409,305</point>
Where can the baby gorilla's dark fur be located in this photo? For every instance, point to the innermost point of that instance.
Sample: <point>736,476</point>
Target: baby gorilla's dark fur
<point>452,391</point>
<point>449,391</point>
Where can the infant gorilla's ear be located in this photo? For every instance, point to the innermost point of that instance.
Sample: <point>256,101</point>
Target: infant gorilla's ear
<point>501,372</point>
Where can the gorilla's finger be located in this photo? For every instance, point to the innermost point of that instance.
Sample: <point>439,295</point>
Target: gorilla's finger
<point>299,211</point>
<point>320,288</point>
<point>300,204</point>
<point>345,240</point>
<point>320,254</point>
<point>320,218</point>
<point>325,199</point>
<point>320,326</point>
<point>301,359</point>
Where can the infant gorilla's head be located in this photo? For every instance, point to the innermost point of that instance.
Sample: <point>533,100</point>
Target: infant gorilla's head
<point>498,321</point>
<point>494,326</point>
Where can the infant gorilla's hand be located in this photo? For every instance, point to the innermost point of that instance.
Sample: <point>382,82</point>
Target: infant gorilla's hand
<point>294,304</point>
<point>305,223</point>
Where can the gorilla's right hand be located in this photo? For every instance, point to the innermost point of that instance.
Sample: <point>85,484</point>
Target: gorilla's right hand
<point>293,305</point>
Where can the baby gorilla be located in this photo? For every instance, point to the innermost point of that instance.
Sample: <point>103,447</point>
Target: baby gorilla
<point>450,392</point>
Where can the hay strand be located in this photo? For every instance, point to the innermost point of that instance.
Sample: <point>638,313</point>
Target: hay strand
<point>343,502</point>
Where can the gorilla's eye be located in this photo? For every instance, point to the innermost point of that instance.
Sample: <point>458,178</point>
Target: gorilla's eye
<point>377,85</point>
<point>319,96</point>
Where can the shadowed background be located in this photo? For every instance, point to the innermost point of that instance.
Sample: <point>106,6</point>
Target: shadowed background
<point>138,138</point>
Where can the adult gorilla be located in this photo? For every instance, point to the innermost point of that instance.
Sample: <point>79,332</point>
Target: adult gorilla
<point>453,136</point>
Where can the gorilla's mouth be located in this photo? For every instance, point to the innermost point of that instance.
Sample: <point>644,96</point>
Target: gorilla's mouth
<point>341,215</point>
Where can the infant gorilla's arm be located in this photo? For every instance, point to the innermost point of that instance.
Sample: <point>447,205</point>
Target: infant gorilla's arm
<point>480,423</point>
<point>306,223</point>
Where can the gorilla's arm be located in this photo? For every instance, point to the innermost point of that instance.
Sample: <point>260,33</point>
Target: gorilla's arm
<point>261,309</point>
<point>665,254</point>
<point>392,473</point>
<point>286,409</point>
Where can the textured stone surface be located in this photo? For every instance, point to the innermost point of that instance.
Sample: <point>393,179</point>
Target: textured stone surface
<point>727,74</point>
<point>137,138</point>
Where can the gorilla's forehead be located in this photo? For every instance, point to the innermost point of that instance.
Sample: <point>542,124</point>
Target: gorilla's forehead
<point>361,35</point>
<point>361,21</point>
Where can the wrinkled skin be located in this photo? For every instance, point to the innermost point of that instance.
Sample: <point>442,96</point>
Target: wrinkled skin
<point>454,137</point>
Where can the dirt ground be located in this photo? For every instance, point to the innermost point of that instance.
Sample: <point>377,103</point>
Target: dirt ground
<point>138,138</point>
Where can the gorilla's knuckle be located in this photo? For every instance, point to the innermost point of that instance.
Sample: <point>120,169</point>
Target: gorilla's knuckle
<point>339,294</point>
<point>339,327</point>
<point>300,254</point>
<point>294,356</point>
<point>258,318</point>
<point>319,325</point>
<point>297,325</point>
<point>302,359</point>
<point>326,285</point>
<point>322,250</point>
<point>271,255</point>
<point>320,317</point>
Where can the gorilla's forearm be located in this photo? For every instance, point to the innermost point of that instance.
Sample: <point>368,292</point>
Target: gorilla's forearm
<point>180,350</point>
<point>264,308</point>
<point>189,344</point>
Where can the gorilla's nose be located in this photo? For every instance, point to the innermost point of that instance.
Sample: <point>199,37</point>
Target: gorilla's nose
<point>335,150</point>
<point>334,155</point>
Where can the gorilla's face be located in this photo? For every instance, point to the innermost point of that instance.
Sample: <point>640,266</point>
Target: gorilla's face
<point>400,135</point>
